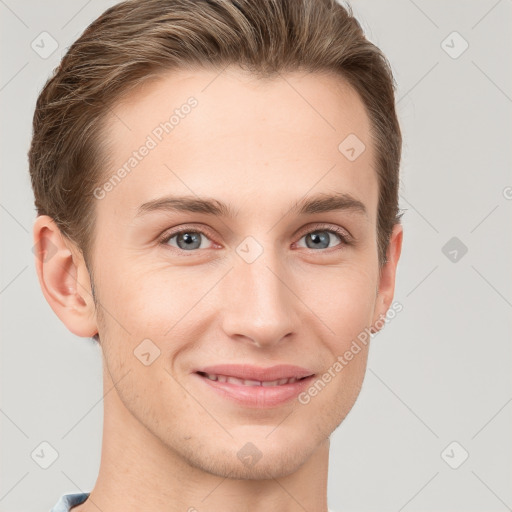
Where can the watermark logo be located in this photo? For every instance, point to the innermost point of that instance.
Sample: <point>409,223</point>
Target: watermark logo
<point>44,45</point>
<point>454,249</point>
<point>44,253</point>
<point>249,454</point>
<point>44,455</point>
<point>146,352</point>
<point>454,45</point>
<point>352,147</point>
<point>454,455</point>
<point>249,249</point>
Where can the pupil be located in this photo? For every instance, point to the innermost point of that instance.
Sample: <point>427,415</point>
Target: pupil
<point>317,239</point>
<point>190,239</point>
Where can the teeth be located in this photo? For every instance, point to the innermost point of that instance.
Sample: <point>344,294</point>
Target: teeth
<point>271,383</point>
<point>247,382</point>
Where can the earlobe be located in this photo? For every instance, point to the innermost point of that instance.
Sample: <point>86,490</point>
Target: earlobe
<point>63,277</point>
<point>386,287</point>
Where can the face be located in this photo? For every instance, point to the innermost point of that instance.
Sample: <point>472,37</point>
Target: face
<point>266,280</point>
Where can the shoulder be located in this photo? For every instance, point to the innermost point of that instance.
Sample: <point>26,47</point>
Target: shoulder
<point>66,501</point>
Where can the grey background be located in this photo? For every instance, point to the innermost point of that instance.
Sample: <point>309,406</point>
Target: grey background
<point>439,372</point>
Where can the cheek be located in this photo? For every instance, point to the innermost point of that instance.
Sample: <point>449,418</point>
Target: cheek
<point>343,298</point>
<point>151,300</point>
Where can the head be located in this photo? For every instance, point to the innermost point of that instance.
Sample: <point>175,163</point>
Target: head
<point>281,114</point>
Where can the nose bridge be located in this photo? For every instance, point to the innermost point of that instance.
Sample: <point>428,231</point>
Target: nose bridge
<point>258,303</point>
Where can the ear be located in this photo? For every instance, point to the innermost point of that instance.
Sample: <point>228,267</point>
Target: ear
<point>386,289</point>
<point>64,278</point>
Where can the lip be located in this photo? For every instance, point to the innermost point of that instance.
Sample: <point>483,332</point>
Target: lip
<point>249,372</point>
<point>257,396</point>
<point>260,397</point>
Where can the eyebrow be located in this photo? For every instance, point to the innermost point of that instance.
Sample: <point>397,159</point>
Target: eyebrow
<point>320,203</point>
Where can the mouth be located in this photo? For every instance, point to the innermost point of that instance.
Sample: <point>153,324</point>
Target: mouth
<point>253,387</point>
<point>251,382</point>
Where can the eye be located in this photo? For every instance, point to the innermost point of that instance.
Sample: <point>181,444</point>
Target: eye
<point>320,237</point>
<point>186,239</point>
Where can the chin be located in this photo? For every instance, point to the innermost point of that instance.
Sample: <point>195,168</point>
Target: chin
<point>254,454</point>
<point>275,465</point>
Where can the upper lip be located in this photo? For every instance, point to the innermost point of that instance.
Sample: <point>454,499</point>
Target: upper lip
<point>248,372</point>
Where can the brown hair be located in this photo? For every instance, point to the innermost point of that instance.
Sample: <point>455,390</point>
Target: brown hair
<point>135,41</point>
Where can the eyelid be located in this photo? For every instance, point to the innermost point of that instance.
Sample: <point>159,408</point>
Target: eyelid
<point>344,234</point>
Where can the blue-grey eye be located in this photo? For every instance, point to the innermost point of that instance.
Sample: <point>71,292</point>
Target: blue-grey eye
<point>319,239</point>
<point>187,240</point>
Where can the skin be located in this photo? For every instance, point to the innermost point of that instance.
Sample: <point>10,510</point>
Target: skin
<point>169,442</point>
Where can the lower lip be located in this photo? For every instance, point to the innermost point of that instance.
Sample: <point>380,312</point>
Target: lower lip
<point>257,396</point>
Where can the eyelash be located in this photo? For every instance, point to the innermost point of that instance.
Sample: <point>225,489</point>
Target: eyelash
<point>345,239</point>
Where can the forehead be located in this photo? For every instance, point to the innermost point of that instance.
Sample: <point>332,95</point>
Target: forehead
<point>242,139</point>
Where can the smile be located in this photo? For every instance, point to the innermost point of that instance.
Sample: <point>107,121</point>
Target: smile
<point>248,382</point>
<point>254,393</point>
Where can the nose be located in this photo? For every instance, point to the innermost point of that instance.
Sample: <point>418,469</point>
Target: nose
<point>259,305</point>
